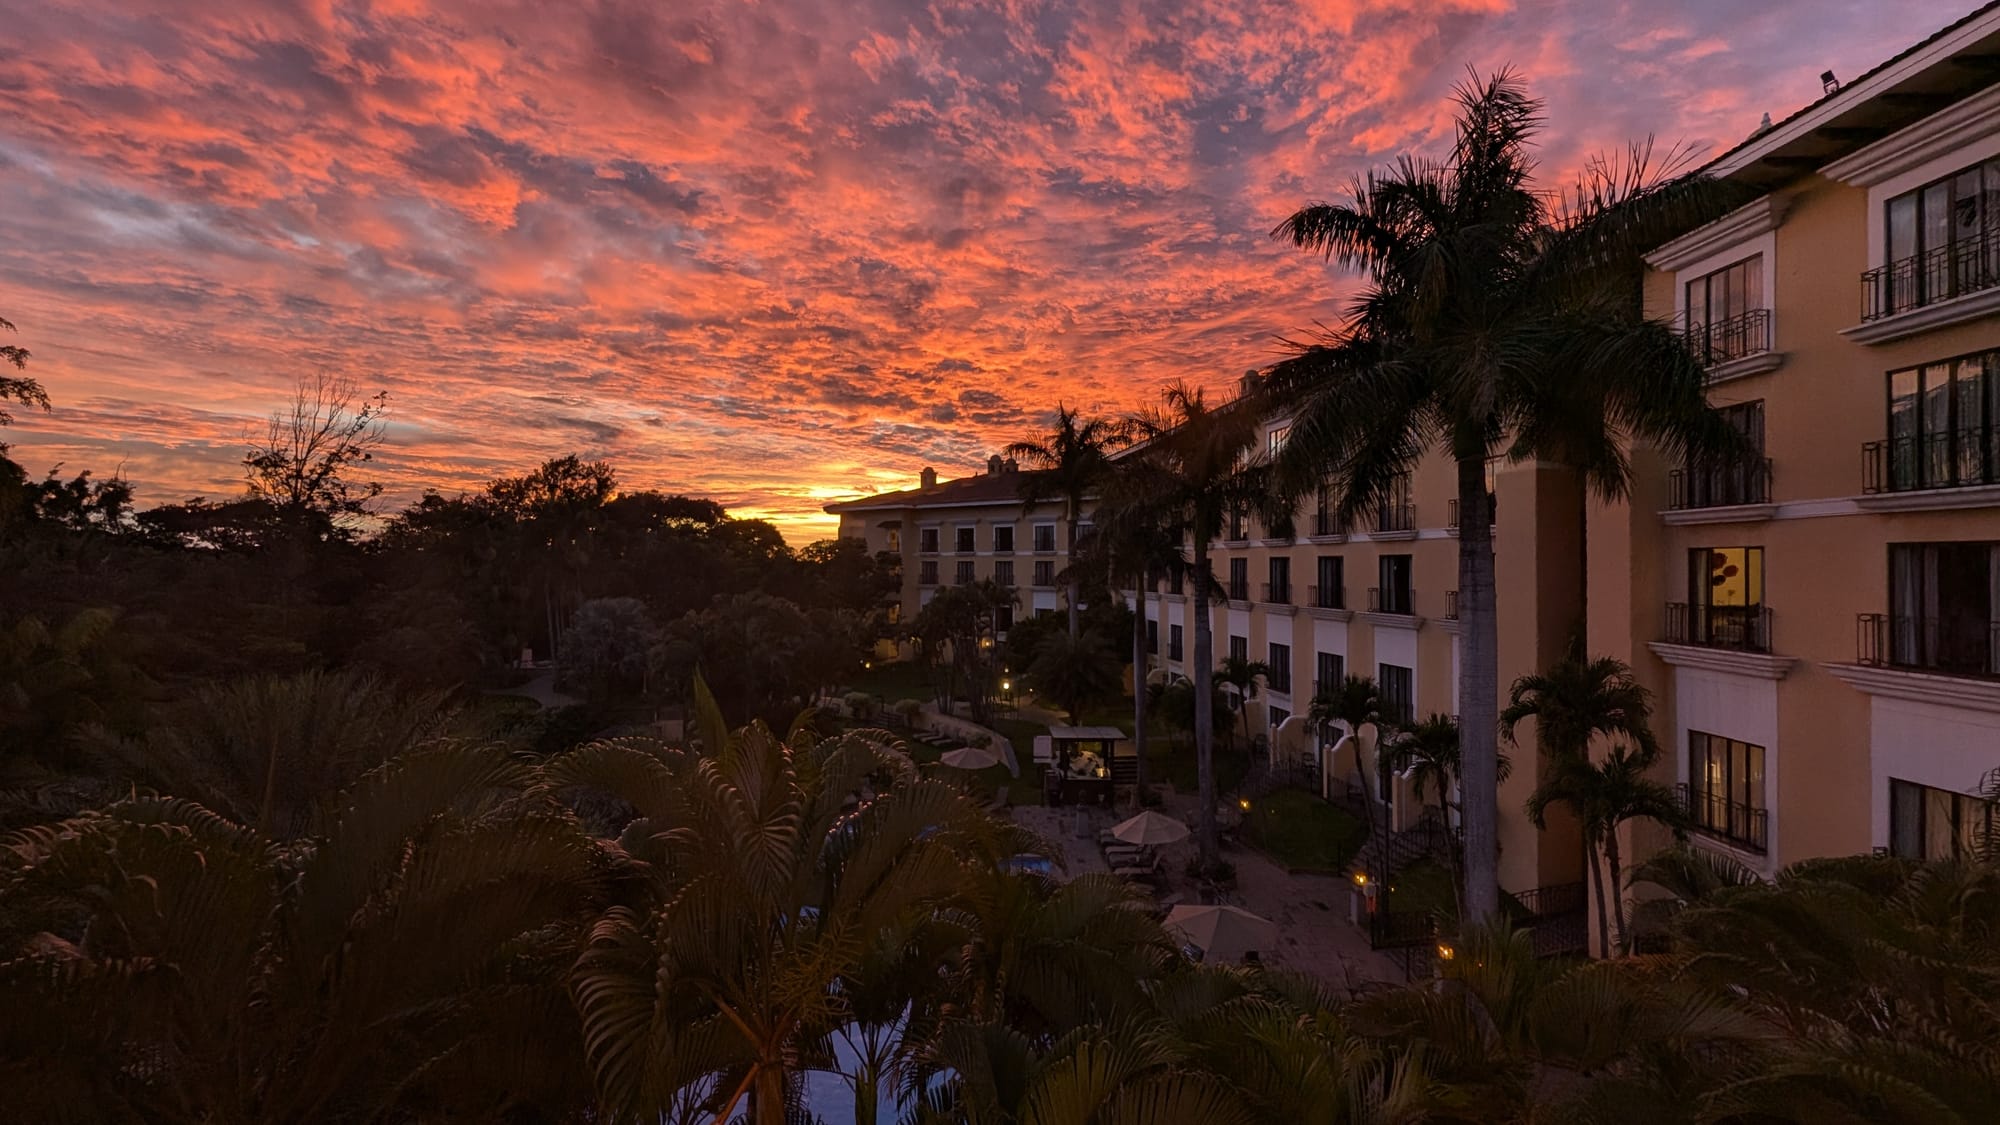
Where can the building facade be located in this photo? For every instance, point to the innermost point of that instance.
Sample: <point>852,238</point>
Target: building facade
<point>1821,622</point>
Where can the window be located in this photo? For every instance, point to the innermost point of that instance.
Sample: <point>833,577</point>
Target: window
<point>1393,595</point>
<point>927,573</point>
<point>1173,642</point>
<point>1239,580</point>
<point>895,544</point>
<point>1281,668</point>
<point>1279,589</point>
<point>1331,591</point>
<point>1396,512</point>
<point>1944,427</point>
<point>1045,539</point>
<point>1329,671</point>
<point>1277,438</point>
<point>1943,241</point>
<point>1238,526</point>
<point>1239,647</point>
<point>1003,539</point>
<point>1177,582</point>
<point>1396,690</point>
<point>1927,823</point>
<point>963,573</point>
<point>1942,603</point>
<point>1726,318</point>
<point>1725,789</point>
<point>1045,573</point>
<point>1003,572</point>
<point>927,540</point>
<point>964,544</point>
<point>1725,482</point>
<point>1152,636</point>
<point>1725,606</point>
<point>1324,520</point>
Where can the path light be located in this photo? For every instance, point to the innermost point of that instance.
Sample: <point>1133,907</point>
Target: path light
<point>1006,685</point>
<point>1360,878</point>
<point>1446,952</point>
<point>1245,803</point>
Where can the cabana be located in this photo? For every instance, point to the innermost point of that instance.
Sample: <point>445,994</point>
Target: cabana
<point>1085,764</point>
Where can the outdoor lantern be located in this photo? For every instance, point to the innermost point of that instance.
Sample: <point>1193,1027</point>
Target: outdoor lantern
<point>1446,952</point>
<point>1245,804</point>
<point>1360,878</point>
<point>1006,685</point>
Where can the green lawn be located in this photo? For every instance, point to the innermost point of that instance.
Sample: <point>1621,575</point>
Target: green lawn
<point>1303,832</point>
<point>893,680</point>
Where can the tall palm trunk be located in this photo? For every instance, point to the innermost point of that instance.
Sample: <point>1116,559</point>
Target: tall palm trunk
<point>1380,876</point>
<point>1479,691</point>
<point>1204,707</point>
<point>1597,892</point>
<point>1617,885</point>
<point>1075,587</point>
<point>767,1094</point>
<point>1139,692</point>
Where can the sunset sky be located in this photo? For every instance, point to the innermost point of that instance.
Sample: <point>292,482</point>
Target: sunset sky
<point>775,253</point>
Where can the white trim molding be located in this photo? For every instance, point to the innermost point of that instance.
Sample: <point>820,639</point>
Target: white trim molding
<point>1941,134</point>
<point>1925,318</point>
<point>1732,513</point>
<point>1449,625</point>
<point>1723,236</point>
<point>1930,499</point>
<point>1749,365</point>
<point>1328,613</point>
<point>1759,665</point>
<point>1919,687</point>
<point>1326,540</point>
<point>1408,621</point>
<point>1390,536</point>
<point>1280,609</point>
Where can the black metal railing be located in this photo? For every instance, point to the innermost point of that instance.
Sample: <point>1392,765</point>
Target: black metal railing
<point>963,577</point>
<point>1720,486</point>
<point>1722,341</point>
<point>1395,515</point>
<point>928,576</point>
<point>1713,814</point>
<point>1278,593</point>
<point>1963,644</point>
<point>1492,511</point>
<point>1394,600</point>
<point>1965,265</point>
<point>1744,628</point>
<point>1239,590</point>
<point>1173,650</point>
<point>1325,597</point>
<point>1960,458</point>
<point>1324,523</point>
<point>1451,605</point>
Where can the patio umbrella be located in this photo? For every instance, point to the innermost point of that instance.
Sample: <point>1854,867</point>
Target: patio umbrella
<point>970,758</point>
<point>1151,829</point>
<point>1222,933</point>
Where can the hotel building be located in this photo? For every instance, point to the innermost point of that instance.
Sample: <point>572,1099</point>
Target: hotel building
<point>1821,624</point>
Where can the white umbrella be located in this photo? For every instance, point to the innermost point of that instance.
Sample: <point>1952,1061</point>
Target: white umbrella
<point>1222,933</point>
<point>1151,829</point>
<point>970,758</point>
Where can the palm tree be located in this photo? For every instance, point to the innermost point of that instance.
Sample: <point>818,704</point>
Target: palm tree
<point>160,962</point>
<point>1574,704</point>
<point>1428,753</point>
<point>766,871</point>
<point>1193,465</point>
<point>1493,323</point>
<point>1074,458</point>
<point>1074,670</point>
<point>1353,703</point>
<point>1603,795</point>
<point>1243,674</point>
<point>1135,546</point>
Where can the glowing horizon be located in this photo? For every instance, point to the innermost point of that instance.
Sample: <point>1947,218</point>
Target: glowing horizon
<point>773,254</point>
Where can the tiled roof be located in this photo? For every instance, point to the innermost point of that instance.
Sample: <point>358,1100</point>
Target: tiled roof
<point>985,488</point>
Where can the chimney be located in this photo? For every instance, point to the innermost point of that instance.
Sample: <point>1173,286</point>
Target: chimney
<point>994,465</point>
<point>1012,465</point>
<point>927,478</point>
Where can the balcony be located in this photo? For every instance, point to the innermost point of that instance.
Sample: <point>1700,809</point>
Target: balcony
<point>1324,524</point>
<point>1733,822</point>
<point>1964,644</point>
<point>1964,267</point>
<point>1174,651</point>
<point>1325,597</point>
<point>1278,593</point>
<point>1736,484</point>
<point>1962,458</point>
<point>1737,628</point>
<point>1395,518</point>
<point>1740,345</point>
<point>1397,603</point>
<point>1238,590</point>
<point>1451,514</point>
